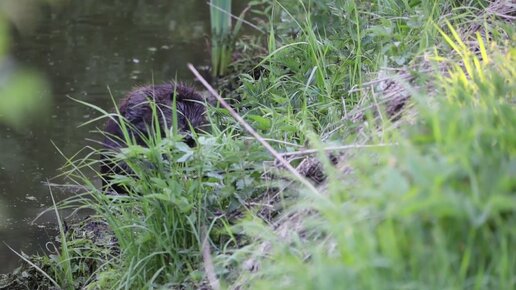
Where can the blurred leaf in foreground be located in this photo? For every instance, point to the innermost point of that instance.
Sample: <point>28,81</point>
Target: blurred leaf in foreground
<point>23,93</point>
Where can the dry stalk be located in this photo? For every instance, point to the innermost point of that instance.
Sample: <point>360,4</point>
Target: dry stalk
<point>208,262</point>
<point>333,148</point>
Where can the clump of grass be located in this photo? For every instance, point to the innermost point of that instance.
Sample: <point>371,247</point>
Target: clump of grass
<point>177,197</point>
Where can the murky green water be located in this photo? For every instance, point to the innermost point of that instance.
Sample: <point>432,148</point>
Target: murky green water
<point>82,47</point>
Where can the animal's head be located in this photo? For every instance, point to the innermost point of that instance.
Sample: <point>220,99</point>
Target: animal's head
<point>191,116</point>
<point>191,112</point>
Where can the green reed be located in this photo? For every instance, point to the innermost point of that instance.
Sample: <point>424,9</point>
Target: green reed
<point>221,35</point>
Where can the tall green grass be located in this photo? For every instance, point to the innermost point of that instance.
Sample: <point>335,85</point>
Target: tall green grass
<point>437,211</point>
<point>319,51</point>
<point>415,216</point>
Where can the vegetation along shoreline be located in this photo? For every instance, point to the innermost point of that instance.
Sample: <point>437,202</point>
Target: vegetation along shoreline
<point>366,145</point>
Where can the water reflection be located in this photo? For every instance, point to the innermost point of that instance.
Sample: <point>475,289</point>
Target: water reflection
<point>83,47</point>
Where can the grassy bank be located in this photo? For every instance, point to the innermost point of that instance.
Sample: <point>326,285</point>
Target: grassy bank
<point>409,109</point>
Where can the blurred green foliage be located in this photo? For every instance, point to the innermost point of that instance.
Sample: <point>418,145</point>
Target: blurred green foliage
<point>24,94</point>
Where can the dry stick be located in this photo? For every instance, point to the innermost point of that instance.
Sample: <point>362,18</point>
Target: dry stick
<point>66,185</point>
<point>334,148</point>
<point>208,263</point>
<point>251,131</point>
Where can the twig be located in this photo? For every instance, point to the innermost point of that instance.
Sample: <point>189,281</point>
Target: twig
<point>278,141</point>
<point>71,186</point>
<point>208,263</point>
<point>334,148</point>
<point>386,78</point>
<point>251,131</point>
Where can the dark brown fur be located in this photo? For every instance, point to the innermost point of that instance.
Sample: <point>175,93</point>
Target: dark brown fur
<point>137,109</point>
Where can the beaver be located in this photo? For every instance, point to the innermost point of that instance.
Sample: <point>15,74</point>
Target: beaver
<point>136,108</point>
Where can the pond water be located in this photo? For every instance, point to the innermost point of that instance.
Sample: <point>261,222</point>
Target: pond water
<point>82,47</point>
